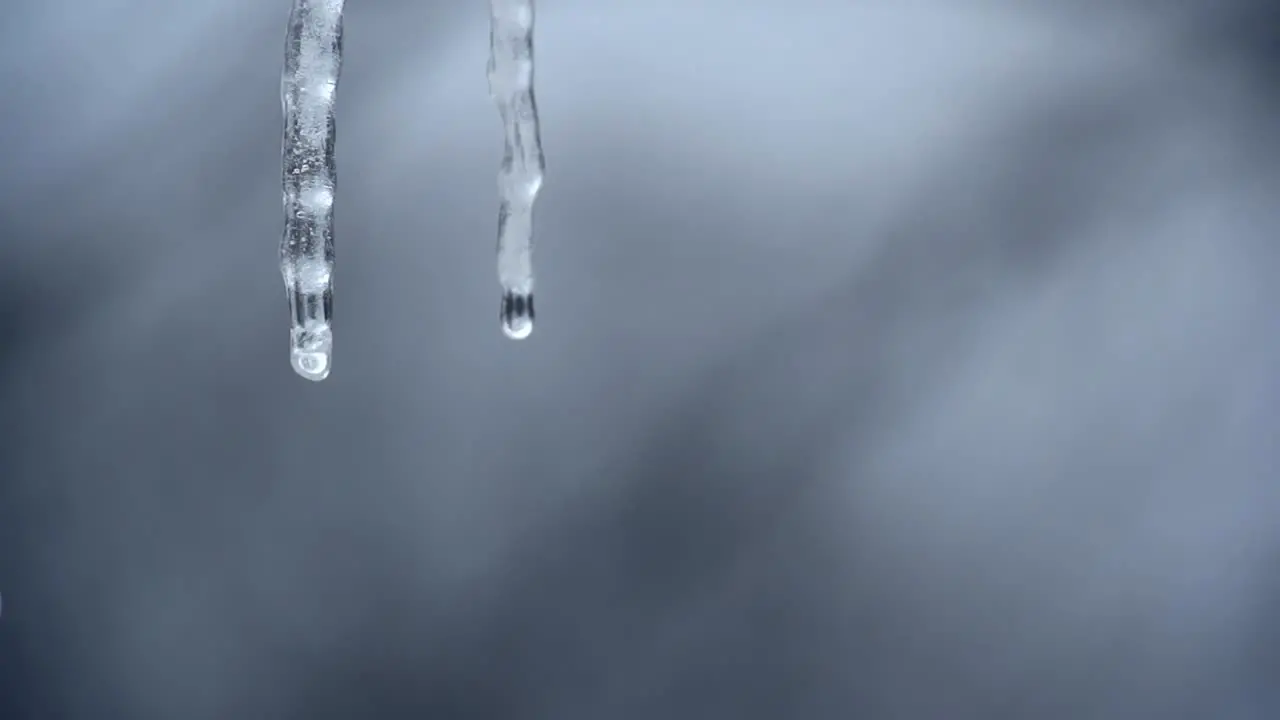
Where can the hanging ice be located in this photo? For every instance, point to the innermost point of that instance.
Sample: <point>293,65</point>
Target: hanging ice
<point>520,177</point>
<point>312,64</point>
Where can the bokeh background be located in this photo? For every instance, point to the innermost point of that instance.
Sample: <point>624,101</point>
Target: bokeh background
<point>896,360</point>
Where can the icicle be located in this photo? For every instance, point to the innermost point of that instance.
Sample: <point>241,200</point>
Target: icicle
<point>313,62</point>
<point>520,177</point>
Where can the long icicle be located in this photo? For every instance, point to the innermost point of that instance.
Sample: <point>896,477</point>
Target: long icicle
<point>520,176</point>
<point>312,65</point>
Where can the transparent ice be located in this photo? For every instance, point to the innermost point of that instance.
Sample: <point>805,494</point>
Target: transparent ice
<point>312,64</point>
<point>520,176</point>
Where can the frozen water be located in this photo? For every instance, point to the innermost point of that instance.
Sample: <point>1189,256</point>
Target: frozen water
<point>520,176</point>
<point>312,64</point>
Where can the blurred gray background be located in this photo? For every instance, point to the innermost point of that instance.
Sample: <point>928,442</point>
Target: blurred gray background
<point>895,360</point>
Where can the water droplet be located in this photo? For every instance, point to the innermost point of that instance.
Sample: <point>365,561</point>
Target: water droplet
<point>311,353</point>
<point>311,365</point>
<point>517,315</point>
